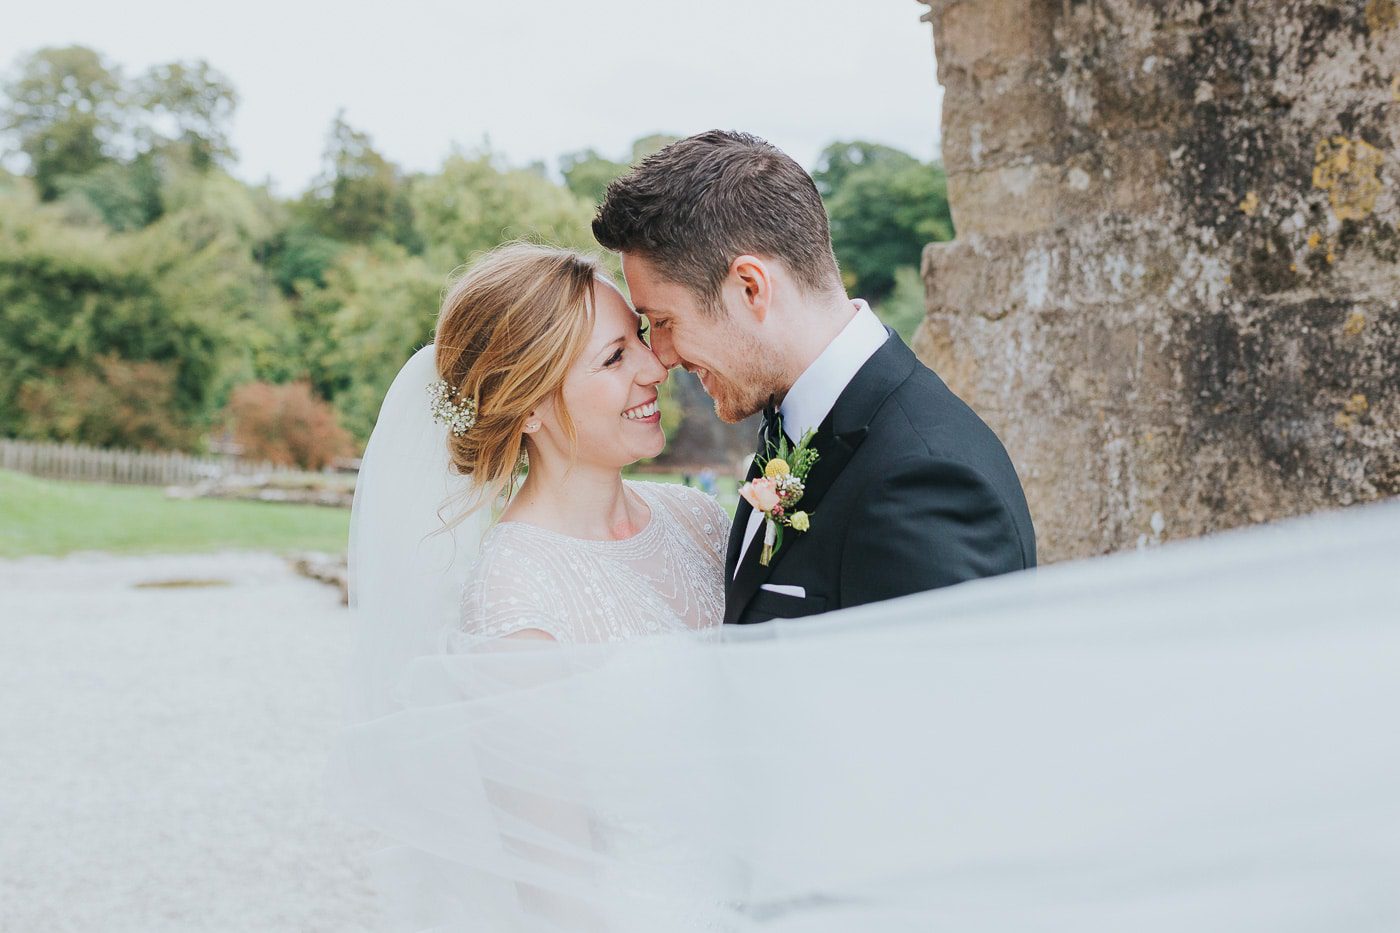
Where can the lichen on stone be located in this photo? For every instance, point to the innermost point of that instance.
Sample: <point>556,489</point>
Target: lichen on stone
<point>1348,170</point>
<point>1382,15</point>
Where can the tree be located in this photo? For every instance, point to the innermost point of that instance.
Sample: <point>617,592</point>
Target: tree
<point>905,308</point>
<point>839,159</point>
<point>475,204</point>
<point>650,145</point>
<point>70,298</point>
<point>587,174</point>
<point>884,206</point>
<point>195,103</point>
<point>124,195</point>
<point>298,256</point>
<point>106,402</point>
<point>285,424</point>
<point>378,306</point>
<point>360,194</point>
<point>68,111</point>
<point>200,257</point>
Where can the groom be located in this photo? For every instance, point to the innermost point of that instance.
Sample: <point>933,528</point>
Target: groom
<point>726,250</point>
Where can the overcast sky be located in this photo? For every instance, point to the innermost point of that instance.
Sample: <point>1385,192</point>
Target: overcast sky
<point>537,78</point>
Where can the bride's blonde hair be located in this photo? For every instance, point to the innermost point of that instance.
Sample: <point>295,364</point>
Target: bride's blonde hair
<point>507,333</point>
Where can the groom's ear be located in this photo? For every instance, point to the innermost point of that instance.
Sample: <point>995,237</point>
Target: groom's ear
<point>754,284</point>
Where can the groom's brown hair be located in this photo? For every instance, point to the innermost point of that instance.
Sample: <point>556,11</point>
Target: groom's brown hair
<point>699,203</point>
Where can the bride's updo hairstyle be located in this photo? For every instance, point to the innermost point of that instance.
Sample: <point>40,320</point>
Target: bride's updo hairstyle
<point>508,331</point>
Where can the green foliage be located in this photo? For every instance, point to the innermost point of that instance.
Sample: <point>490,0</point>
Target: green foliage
<point>66,297</point>
<point>106,402</point>
<point>905,308</point>
<point>200,256</point>
<point>379,305</point>
<point>475,204</point>
<point>183,293</point>
<point>67,109</point>
<point>297,257</point>
<point>52,517</point>
<point>650,145</point>
<point>141,284</point>
<point>839,160</point>
<point>125,196</point>
<point>195,103</point>
<point>360,195</point>
<point>884,207</point>
<point>72,113</point>
<point>587,174</point>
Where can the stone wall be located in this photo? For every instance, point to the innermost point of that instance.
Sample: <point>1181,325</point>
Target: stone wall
<point>1175,291</point>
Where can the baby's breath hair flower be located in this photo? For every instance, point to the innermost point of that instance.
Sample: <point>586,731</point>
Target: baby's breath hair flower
<point>459,416</point>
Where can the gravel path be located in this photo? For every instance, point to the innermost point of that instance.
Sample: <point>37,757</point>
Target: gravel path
<point>162,749</point>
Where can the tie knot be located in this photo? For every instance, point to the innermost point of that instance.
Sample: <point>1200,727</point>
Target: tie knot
<point>770,412</point>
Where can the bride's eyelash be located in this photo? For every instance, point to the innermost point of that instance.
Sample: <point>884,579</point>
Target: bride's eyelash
<point>642,332</point>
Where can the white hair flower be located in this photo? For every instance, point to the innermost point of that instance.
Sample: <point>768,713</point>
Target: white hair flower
<point>459,416</point>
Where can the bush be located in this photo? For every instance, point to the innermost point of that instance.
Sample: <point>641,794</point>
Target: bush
<point>286,424</point>
<point>114,403</point>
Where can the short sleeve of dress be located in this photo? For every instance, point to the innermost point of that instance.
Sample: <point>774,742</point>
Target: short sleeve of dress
<point>503,596</point>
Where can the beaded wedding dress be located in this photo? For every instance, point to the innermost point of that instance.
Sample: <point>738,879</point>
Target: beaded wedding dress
<point>1196,737</point>
<point>668,577</point>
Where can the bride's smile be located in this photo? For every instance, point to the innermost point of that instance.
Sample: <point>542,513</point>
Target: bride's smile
<point>647,412</point>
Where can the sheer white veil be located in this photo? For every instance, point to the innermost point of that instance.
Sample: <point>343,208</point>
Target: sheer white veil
<point>405,565</point>
<point>1195,738</point>
<point>1198,737</point>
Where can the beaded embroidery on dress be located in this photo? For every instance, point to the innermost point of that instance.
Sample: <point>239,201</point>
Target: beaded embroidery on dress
<point>667,577</point>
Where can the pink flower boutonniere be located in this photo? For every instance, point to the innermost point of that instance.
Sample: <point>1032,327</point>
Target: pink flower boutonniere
<point>781,486</point>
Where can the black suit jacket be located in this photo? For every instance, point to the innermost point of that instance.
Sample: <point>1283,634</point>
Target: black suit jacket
<point>911,491</point>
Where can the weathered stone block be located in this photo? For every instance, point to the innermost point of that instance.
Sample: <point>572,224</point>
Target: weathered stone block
<point>1176,288</point>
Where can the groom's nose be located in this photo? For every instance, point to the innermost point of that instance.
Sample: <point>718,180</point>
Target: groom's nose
<point>661,346</point>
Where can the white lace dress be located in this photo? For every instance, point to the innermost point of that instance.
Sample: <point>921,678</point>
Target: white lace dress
<point>667,577</point>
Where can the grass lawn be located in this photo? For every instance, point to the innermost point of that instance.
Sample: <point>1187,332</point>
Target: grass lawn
<point>39,516</point>
<point>42,516</point>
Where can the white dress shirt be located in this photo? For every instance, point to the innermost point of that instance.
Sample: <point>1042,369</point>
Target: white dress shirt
<point>813,395</point>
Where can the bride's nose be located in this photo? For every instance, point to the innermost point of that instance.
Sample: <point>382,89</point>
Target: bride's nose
<point>652,371</point>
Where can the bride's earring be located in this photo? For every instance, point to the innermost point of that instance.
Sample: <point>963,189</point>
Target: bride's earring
<point>532,425</point>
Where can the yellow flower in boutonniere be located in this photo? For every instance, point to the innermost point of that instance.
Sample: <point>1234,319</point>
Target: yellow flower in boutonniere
<point>776,467</point>
<point>799,521</point>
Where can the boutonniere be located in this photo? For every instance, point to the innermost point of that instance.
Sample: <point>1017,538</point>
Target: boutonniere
<point>780,488</point>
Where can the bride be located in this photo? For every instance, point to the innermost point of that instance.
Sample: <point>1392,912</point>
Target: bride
<point>539,354</point>
<point>539,369</point>
<point>1180,739</point>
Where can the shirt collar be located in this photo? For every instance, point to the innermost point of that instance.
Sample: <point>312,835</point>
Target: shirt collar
<point>813,395</point>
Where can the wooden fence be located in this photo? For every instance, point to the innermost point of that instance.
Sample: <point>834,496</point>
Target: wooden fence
<point>135,467</point>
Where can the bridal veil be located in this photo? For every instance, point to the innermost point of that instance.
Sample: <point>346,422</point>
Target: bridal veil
<point>1197,737</point>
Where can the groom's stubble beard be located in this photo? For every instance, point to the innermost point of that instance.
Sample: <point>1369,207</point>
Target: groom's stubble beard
<point>746,386</point>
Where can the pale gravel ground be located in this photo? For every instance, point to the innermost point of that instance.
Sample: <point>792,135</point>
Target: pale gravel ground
<point>162,751</point>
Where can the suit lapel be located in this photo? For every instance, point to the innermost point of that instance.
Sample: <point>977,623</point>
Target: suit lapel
<point>836,441</point>
<point>736,530</point>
